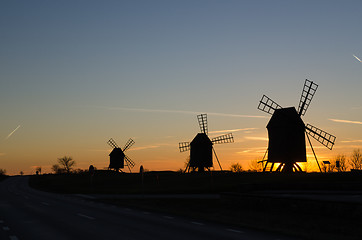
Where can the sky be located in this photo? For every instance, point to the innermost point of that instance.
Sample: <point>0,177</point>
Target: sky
<point>76,73</point>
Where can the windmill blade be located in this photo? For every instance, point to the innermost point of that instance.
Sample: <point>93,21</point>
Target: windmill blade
<point>112,143</point>
<point>129,143</point>
<point>202,118</point>
<point>308,92</point>
<point>267,105</point>
<point>129,162</point>
<point>226,138</point>
<point>184,146</point>
<point>321,136</point>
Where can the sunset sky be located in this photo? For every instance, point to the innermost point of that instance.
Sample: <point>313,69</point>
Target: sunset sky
<point>77,73</point>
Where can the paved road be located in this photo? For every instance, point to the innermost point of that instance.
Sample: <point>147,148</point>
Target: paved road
<point>26,213</point>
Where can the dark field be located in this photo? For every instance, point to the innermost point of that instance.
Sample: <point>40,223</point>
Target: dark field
<point>293,204</point>
<point>106,182</point>
<point>2,177</point>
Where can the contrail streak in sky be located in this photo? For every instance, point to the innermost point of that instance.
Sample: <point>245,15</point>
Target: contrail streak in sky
<point>182,112</point>
<point>12,132</point>
<point>345,121</point>
<point>357,58</point>
<point>234,130</point>
<point>257,138</point>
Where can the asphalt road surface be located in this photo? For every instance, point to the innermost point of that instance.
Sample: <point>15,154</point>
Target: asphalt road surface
<point>26,213</point>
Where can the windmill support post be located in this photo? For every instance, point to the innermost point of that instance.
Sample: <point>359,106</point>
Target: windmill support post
<point>129,168</point>
<point>263,160</point>
<point>315,156</point>
<point>217,159</point>
<point>187,166</point>
<point>272,166</point>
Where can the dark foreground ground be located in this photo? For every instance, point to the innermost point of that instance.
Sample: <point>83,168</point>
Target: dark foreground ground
<point>312,206</point>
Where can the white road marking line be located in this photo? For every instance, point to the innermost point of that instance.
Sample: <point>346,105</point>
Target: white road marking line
<point>13,238</point>
<point>198,223</point>
<point>84,196</point>
<point>233,230</point>
<point>85,216</point>
<point>6,228</point>
<point>26,197</point>
<point>44,203</point>
<point>168,217</point>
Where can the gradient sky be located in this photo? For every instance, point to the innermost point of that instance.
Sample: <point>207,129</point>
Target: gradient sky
<point>75,73</point>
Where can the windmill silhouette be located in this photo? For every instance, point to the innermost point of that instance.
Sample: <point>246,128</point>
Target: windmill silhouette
<point>287,131</point>
<point>117,157</point>
<point>201,147</point>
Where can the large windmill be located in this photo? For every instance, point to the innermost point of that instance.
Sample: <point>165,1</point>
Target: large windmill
<point>286,132</point>
<point>117,158</point>
<point>201,148</point>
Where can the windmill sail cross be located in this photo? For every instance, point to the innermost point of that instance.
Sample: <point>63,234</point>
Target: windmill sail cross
<point>321,136</point>
<point>309,89</point>
<point>287,132</point>
<point>267,105</point>
<point>184,146</point>
<point>201,147</point>
<point>117,158</point>
<point>129,143</point>
<point>202,118</point>
<point>226,138</point>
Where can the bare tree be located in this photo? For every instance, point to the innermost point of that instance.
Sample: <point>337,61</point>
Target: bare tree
<point>332,165</point>
<point>236,167</point>
<point>57,169</point>
<point>356,159</point>
<point>67,163</point>
<point>2,172</point>
<point>38,169</point>
<point>325,167</point>
<point>340,162</point>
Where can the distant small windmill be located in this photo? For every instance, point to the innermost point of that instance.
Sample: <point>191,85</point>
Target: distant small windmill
<point>201,148</point>
<point>117,157</point>
<point>287,131</point>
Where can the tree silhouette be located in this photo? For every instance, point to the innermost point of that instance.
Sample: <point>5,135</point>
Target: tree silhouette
<point>57,169</point>
<point>2,172</point>
<point>326,166</point>
<point>356,159</point>
<point>236,167</point>
<point>66,163</point>
<point>340,163</point>
<point>38,169</point>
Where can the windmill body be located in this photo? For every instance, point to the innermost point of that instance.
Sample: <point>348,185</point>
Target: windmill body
<point>287,131</point>
<point>116,159</point>
<point>201,152</point>
<point>286,138</point>
<point>201,147</point>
